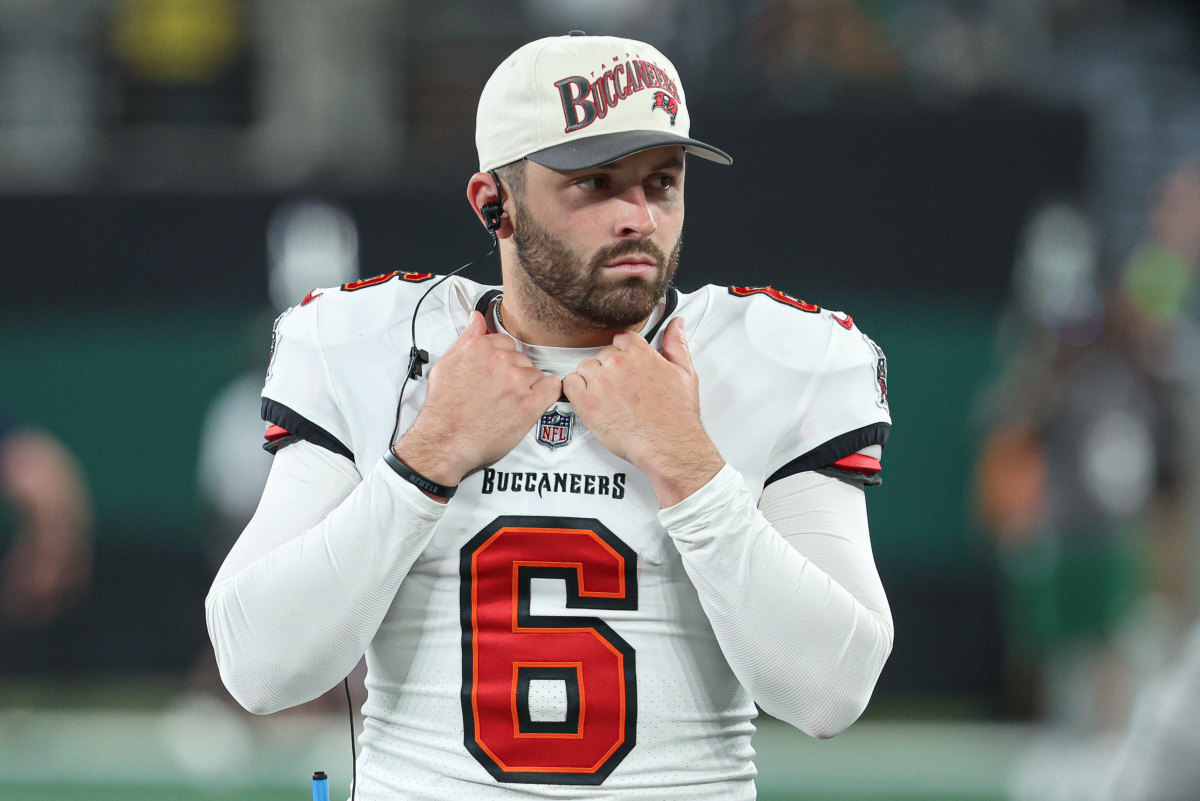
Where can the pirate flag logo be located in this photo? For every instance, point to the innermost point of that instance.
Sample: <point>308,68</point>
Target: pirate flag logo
<point>880,374</point>
<point>666,103</point>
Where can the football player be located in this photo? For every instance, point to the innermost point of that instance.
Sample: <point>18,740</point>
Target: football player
<point>580,523</point>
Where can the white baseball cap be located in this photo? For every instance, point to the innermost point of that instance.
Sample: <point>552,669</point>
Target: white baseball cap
<point>576,101</point>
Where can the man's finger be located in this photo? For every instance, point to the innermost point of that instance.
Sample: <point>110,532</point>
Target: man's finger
<point>675,346</point>
<point>573,385</point>
<point>500,343</point>
<point>608,353</point>
<point>476,326</point>
<point>628,340</point>
<point>587,367</point>
<point>547,390</point>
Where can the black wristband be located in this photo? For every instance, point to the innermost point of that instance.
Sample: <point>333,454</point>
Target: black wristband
<point>416,479</point>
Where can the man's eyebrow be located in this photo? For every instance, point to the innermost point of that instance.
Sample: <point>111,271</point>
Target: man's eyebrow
<point>672,162</point>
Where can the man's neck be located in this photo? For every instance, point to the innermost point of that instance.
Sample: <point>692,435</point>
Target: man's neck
<point>543,321</point>
<point>556,334</point>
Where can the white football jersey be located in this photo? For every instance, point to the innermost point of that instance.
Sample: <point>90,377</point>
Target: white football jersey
<point>548,638</point>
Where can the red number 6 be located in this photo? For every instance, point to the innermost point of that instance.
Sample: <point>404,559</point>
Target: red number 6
<point>505,647</point>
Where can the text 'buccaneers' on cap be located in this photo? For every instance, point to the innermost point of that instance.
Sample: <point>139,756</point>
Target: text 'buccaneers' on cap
<point>574,102</point>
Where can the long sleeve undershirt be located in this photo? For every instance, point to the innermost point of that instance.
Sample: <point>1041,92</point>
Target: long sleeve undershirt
<point>791,591</point>
<point>790,587</point>
<point>304,589</point>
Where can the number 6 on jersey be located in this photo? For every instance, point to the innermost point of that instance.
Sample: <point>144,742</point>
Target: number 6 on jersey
<point>506,649</point>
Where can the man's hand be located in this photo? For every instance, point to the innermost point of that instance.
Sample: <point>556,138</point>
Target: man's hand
<point>483,397</point>
<point>645,407</point>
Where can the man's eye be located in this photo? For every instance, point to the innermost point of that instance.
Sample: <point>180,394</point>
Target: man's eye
<point>663,182</point>
<point>595,182</point>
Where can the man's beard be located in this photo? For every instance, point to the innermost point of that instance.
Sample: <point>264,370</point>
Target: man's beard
<point>567,292</point>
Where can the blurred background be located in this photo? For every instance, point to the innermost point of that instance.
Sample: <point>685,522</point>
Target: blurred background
<point>1004,193</point>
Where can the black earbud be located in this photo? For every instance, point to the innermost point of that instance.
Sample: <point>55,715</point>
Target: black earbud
<point>492,211</point>
<point>491,215</point>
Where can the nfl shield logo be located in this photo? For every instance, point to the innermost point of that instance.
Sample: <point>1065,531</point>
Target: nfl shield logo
<point>554,428</point>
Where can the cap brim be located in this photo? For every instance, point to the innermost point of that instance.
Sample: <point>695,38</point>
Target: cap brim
<point>592,151</point>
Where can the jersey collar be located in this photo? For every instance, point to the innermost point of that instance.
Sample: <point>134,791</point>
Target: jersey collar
<point>670,303</point>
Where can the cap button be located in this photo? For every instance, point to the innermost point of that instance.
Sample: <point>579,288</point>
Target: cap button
<point>576,33</point>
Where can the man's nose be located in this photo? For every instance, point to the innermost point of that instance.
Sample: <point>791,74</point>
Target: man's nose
<point>636,219</point>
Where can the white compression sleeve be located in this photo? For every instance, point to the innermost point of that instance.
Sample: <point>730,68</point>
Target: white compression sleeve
<point>791,591</point>
<point>303,591</point>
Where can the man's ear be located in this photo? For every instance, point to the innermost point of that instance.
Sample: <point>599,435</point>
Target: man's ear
<point>484,195</point>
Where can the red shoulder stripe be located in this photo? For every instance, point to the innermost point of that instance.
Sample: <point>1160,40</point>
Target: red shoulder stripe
<point>859,463</point>
<point>275,433</point>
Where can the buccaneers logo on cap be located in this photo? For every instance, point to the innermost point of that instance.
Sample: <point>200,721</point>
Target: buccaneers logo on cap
<point>584,101</point>
<point>666,103</point>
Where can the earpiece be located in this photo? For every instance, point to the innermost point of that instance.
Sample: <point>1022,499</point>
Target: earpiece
<point>492,211</point>
<point>491,215</point>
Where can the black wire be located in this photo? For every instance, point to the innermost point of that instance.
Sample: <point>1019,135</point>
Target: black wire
<point>353,742</point>
<point>413,336</point>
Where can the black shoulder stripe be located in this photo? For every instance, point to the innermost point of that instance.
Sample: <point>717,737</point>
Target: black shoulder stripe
<point>275,412</point>
<point>839,447</point>
<point>857,479</point>
<point>273,446</point>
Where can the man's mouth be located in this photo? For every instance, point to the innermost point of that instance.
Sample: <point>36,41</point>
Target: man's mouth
<point>633,266</point>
